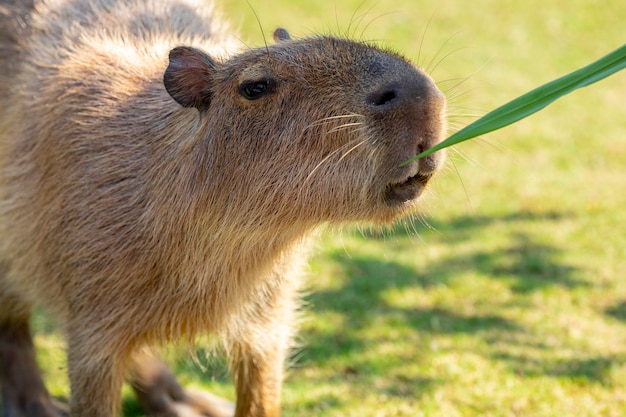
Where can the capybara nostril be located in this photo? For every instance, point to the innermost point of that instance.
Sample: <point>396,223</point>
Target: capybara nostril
<point>383,97</point>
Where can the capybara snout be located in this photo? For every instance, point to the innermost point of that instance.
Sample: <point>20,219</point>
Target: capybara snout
<point>407,103</point>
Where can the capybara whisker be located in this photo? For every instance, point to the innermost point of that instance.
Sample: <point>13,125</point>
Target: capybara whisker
<point>344,154</point>
<point>327,120</point>
<point>344,126</point>
<point>333,153</point>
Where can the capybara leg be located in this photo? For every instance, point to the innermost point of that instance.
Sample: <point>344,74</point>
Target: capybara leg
<point>160,394</point>
<point>257,351</point>
<point>96,371</point>
<point>23,391</point>
<point>258,381</point>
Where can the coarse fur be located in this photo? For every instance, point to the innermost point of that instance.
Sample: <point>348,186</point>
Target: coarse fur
<point>157,183</point>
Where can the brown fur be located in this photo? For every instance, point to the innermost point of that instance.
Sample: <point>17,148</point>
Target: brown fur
<point>143,208</point>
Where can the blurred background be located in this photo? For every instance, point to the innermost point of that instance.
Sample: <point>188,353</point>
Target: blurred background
<point>506,295</point>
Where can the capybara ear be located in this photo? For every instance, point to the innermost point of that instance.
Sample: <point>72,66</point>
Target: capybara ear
<point>189,77</point>
<point>281,34</point>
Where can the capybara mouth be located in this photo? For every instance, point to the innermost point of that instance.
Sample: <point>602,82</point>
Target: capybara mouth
<point>407,190</point>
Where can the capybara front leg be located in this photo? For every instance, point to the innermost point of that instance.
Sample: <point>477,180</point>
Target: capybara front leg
<point>258,381</point>
<point>160,394</point>
<point>259,347</point>
<point>96,369</point>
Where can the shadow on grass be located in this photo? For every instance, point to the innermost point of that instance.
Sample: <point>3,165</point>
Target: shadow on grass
<point>531,264</point>
<point>595,369</point>
<point>360,303</point>
<point>618,311</point>
<point>527,265</point>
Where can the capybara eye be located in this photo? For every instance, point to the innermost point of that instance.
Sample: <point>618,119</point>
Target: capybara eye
<point>253,90</point>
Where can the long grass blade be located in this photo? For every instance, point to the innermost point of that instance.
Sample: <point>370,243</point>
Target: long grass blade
<point>535,100</point>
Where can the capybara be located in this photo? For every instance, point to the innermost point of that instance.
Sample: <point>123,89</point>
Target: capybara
<point>158,182</point>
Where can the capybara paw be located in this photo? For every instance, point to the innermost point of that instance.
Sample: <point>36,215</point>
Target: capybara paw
<point>203,404</point>
<point>194,403</point>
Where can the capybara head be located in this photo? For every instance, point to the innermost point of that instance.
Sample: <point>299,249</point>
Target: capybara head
<point>313,130</point>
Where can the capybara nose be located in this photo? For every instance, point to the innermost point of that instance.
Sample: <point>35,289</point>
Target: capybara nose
<point>413,89</point>
<point>383,97</point>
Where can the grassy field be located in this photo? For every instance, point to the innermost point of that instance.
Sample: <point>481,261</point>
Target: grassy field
<point>509,297</point>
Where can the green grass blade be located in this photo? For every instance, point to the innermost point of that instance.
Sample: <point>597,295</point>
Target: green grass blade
<point>535,100</point>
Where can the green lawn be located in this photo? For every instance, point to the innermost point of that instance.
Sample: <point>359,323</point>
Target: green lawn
<point>506,296</point>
